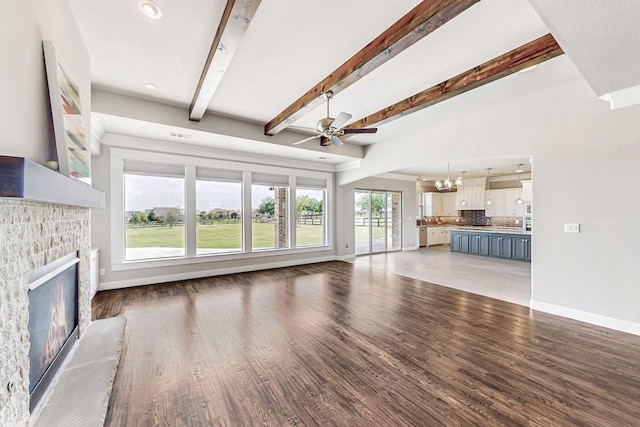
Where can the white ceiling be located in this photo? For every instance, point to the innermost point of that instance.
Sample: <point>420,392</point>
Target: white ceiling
<point>292,45</point>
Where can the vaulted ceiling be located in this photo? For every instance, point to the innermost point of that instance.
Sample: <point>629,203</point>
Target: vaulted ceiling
<point>279,56</point>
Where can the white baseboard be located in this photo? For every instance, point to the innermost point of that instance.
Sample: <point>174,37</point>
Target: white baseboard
<point>152,280</point>
<point>347,257</point>
<point>583,316</point>
<point>410,248</point>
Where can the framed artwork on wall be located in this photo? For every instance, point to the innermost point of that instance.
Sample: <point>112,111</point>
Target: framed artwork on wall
<point>74,157</point>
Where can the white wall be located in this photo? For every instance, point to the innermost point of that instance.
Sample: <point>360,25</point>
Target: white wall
<point>586,172</point>
<point>25,117</point>
<point>346,212</point>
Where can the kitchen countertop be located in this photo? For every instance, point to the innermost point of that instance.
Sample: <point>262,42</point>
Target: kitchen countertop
<point>491,229</point>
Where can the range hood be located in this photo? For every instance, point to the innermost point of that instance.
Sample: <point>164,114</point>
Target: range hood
<point>470,196</point>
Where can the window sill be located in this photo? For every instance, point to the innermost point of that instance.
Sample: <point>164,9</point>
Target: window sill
<point>209,258</point>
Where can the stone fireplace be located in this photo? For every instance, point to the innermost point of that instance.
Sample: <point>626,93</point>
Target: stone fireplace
<point>32,235</point>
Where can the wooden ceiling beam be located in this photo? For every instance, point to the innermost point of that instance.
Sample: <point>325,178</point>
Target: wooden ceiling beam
<point>235,20</point>
<point>525,56</point>
<point>421,21</point>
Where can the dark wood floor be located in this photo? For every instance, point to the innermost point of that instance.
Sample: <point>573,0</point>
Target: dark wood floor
<point>338,344</point>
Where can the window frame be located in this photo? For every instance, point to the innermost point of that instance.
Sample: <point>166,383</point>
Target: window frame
<point>120,155</point>
<point>220,176</point>
<point>324,214</point>
<point>156,175</point>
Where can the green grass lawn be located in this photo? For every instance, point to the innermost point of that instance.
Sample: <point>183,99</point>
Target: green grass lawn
<point>362,233</point>
<point>215,236</point>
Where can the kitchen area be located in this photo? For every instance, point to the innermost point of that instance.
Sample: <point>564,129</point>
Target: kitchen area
<point>474,229</point>
<point>478,217</point>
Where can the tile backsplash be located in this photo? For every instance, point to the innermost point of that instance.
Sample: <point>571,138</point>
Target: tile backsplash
<point>475,217</point>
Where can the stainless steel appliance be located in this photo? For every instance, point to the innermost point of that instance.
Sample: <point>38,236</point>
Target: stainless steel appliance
<point>527,218</point>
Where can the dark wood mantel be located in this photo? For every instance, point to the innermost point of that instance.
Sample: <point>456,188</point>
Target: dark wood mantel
<point>24,179</point>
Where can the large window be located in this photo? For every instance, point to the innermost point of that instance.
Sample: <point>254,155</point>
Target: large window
<point>218,211</point>
<point>182,209</point>
<point>269,210</point>
<point>154,211</point>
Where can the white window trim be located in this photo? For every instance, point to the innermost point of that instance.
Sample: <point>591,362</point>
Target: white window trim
<point>117,159</point>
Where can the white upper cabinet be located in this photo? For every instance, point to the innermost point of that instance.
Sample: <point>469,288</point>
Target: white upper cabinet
<point>503,203</point>
<point>449,204</point>
<point>527,191</point>
<point>439,204</point>
<point>432,204</point>
<point>496,207</point>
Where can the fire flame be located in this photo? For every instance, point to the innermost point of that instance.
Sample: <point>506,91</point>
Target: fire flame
<point>58,327</point>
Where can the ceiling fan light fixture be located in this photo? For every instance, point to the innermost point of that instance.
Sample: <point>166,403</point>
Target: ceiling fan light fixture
<point>150,9</point>
<point>324,124</point>
<point>331,129</point>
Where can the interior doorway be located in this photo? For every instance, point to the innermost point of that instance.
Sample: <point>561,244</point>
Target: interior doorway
<point>378,221</point>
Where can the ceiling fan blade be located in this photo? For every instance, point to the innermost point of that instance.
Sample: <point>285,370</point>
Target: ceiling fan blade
<point>366,130</point>
<point>341,120</point>
<point>337,141</point>
<point>305,140</point>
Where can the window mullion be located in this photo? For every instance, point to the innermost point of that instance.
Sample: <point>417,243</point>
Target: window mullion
<point>293,214</point>
<point>190,210</point>
<point>246,211</point>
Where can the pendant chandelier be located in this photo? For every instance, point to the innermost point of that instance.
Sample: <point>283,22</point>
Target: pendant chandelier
<point>463,202</point>
<point>448,185</point>
<point>488,202</point>
<point>519,200</point>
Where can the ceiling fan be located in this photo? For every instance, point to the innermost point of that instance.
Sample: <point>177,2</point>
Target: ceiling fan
<point>331,129</point>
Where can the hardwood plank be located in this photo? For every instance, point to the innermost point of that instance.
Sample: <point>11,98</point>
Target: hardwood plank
<point>341,344</point>
<point>421,21</point>
<point>528,55</point>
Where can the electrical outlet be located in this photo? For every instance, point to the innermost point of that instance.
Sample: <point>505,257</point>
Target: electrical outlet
<point>346,246</point>
<point>572,228</point>
<point>102,272</point>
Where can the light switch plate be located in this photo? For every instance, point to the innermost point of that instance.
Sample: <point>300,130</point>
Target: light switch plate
<point>572,228</point>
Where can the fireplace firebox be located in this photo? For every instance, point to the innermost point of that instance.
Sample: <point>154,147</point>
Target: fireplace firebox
<point>53,321</point>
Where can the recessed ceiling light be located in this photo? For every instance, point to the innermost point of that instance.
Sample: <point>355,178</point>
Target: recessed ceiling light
<point>150,9</point>
<point>151,87</point>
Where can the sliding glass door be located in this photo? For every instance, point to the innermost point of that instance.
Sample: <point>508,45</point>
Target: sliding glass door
<point>378,225</point>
